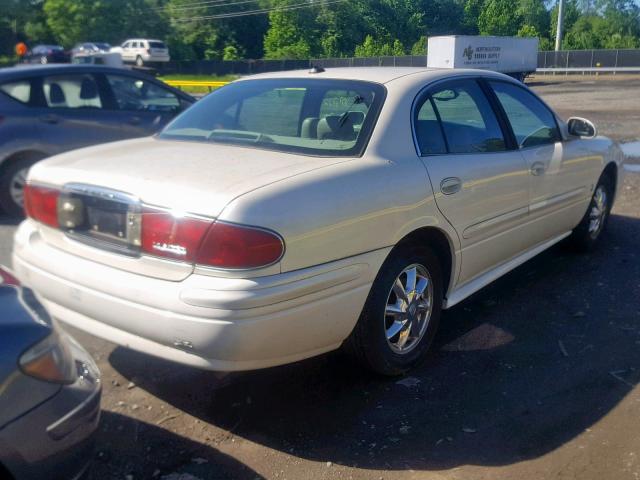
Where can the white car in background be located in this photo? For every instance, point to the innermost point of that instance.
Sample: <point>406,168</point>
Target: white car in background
<point>143,51</point>
<point>292,213</point>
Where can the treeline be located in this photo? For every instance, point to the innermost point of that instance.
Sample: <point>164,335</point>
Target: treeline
<point>232,29</point>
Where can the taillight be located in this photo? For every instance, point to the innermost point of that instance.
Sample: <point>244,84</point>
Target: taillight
<point>233,246</point>
<point>41,204</point>
<point>206,242</point>
<point>165,234</point>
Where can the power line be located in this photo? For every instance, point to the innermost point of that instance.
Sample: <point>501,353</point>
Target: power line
<point>190,5</point>
<point>297,6</point>
<point>218,4</point>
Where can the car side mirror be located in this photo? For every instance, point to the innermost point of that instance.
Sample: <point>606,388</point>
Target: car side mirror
<point>581,127</point>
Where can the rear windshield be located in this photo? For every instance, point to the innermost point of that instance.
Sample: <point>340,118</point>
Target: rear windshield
<point>321,117</point>
<point>156,45</point>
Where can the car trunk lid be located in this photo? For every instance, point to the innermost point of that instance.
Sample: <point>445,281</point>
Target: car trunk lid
<point>112,184</point>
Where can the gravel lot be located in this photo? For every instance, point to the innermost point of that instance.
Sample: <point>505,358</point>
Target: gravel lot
<point>534,377</point>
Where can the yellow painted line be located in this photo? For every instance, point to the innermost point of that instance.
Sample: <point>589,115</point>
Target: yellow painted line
<point>194,83</point>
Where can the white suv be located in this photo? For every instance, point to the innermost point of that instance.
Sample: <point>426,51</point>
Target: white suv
<point>141,51</point>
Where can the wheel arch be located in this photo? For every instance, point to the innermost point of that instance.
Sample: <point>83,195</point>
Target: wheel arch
<point>441,243</point>
<point>611,171</point>
<point>30,154</point>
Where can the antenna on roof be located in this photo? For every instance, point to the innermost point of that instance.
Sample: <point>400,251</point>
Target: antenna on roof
<point>316,69</point>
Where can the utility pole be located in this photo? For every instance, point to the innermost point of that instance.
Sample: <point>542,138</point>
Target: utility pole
<point>559,26</point>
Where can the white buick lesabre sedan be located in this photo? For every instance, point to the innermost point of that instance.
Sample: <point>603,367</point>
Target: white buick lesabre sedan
<point>290,214</point>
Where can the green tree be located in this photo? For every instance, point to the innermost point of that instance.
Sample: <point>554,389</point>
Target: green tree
<point>292,33</point>
<point>230,52</point>
<point>472,11</point>
<point>571,15</point>
<point>534,13</point>
<point>499,17</point>
<point>528,31</point>
<point>420,46</point>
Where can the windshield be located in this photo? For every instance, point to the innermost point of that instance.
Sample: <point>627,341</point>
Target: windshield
<point>322,117</point>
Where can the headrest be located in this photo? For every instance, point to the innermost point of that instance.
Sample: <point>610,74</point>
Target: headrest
<point>56,95</point>
<point>309,128</point>
<point>88,90</point>
<point>335,127</point>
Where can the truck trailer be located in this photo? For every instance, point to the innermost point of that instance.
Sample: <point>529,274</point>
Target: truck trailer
<point>514,56</point>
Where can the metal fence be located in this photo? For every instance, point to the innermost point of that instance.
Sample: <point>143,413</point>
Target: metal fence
<point>564,59</point>
<point>231,67</point>
<point>589,59</point>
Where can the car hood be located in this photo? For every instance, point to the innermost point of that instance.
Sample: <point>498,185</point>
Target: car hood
<point>192,177</point>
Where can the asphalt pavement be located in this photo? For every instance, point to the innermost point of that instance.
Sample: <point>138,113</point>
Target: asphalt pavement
<point>535,376</point>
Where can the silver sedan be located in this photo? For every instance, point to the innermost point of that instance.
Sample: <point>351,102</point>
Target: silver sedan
<point>295,213</point>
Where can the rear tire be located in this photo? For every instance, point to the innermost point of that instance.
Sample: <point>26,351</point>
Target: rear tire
<point>12,181</point>
<point>584,237</point>
<point>399,321</point>
<point>139,61</point>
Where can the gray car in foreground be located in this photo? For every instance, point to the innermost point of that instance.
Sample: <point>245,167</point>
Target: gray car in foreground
<point>49,392</point>
<point>46,110</point>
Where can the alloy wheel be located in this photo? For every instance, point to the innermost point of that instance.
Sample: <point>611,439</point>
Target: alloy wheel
<point>408,309</point>
<point>16,186</point>
<point>599,211</point>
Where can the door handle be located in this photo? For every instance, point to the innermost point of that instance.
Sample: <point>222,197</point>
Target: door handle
<point>50,118</point>
<point>450,185</point>
<point>537,169</point>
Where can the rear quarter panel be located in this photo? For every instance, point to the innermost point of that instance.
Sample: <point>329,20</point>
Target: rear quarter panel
<point>356,206</point>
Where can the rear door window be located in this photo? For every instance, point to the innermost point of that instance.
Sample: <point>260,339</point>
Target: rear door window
<point>468,120</point>
<point>139,95</point>
<point>19,90</point>
<point>428,130</point>
<point>71,91</point>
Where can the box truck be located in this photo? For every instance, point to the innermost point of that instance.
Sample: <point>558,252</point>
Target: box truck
<point>514,56</point>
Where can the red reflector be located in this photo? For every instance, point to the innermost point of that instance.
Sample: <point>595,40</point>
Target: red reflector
<point>235,246</point>
<point>170,236</point>
<point>8,279</point>
<point>41,204</point>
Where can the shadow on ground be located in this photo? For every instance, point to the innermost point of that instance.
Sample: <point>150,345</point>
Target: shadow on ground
<point>142,450</point>
<point>519,369</point>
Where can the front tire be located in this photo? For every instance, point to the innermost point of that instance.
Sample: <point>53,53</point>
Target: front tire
<point>585,236</point>
<point>401,315</point>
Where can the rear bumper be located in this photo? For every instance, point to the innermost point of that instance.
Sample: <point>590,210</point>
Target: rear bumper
<point>204,321</point>
<point>156,58</point>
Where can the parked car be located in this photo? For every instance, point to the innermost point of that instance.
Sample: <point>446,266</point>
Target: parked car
<point>89,48</point>
<point>52,109</point>
<point>44,54</point>
<point>290,214</point>
<point>143,51</point>
<point>49,392</point>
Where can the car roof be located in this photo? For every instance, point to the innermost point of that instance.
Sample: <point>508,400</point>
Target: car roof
<point>24,71</point>
<point>379,74</point>
<point>27,71</point>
